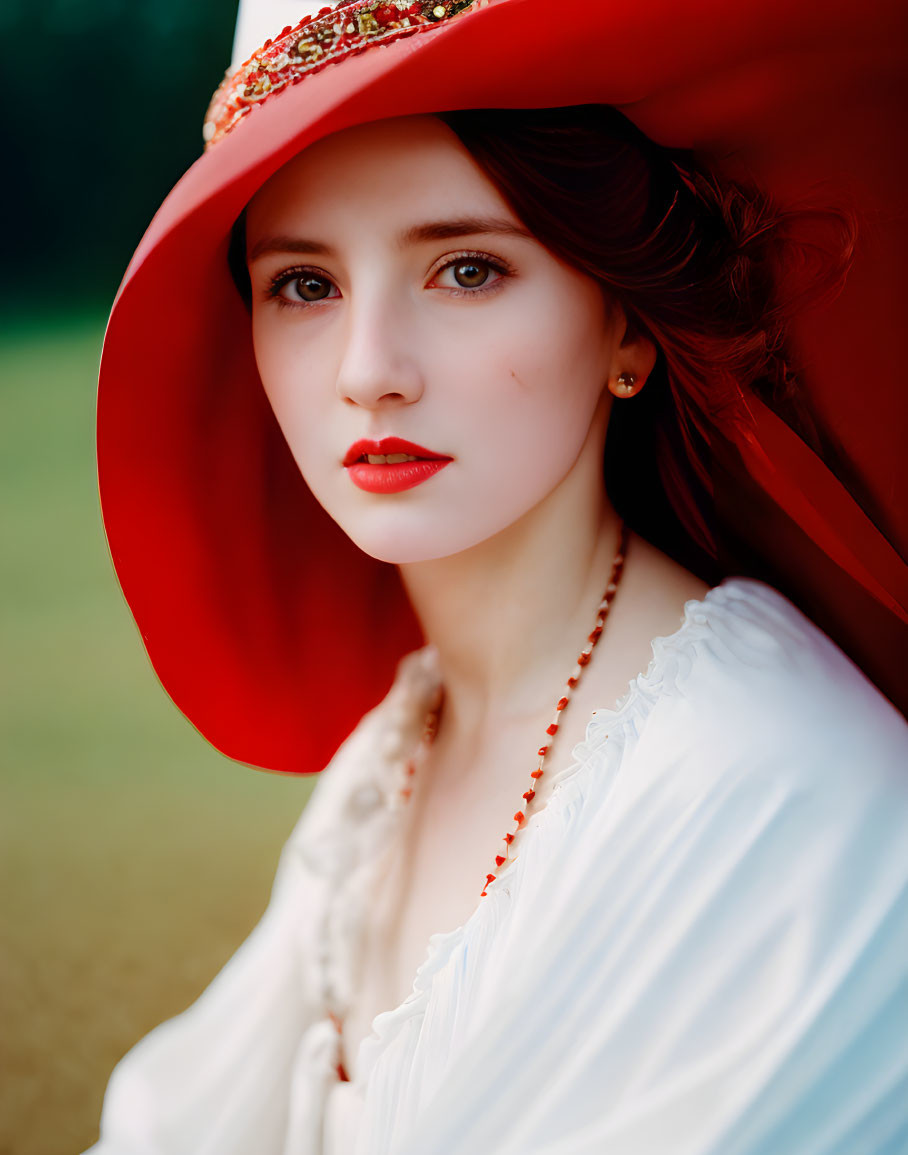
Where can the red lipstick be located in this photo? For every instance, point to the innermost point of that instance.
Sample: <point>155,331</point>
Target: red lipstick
<point>410,466</point>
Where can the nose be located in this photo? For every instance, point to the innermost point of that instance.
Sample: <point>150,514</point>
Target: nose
<point>378,366</point>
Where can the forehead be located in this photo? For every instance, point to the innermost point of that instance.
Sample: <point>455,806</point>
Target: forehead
<point>385,172</point>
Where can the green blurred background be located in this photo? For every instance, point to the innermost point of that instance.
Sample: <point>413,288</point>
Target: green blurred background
<point>133,857</point>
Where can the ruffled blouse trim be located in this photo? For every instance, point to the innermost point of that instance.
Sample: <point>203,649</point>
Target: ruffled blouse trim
<point>711,621</point>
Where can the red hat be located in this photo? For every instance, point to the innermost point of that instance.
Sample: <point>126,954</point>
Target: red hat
<point>268,628</point>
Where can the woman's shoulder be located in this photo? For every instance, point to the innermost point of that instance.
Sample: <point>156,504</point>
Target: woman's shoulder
<point>752,760</point>
<point>749,682</point>
<point>764,659</point>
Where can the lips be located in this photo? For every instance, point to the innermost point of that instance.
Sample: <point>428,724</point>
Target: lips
<point>361,450</point>
<point>391,464</point>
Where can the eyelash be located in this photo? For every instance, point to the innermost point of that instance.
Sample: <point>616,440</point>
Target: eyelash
<point>287,276</point>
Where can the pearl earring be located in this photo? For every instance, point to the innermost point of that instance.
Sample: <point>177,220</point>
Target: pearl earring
<point>625,383</point>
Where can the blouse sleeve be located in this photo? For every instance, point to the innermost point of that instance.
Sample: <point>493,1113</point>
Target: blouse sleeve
<point>211,1079</point>
<point>716,961</point>
<point>223,1077</point>
<point>246,1067</point>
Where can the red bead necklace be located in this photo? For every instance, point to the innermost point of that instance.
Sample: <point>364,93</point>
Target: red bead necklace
<point>551,730</point>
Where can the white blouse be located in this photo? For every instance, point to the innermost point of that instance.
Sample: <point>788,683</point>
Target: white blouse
<point>701,948</point>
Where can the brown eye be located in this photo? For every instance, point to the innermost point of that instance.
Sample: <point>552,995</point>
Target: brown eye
<point>471,274</point>
<point>311,288</point>
<point>302,287</point>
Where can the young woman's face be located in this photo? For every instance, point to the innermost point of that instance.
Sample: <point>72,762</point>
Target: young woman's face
<point>401,311</point>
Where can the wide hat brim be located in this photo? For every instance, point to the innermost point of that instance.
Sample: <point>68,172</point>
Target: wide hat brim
<point>267,627</point>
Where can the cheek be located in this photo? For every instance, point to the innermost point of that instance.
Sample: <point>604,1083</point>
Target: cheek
<point>274,358</point>
<point>293,368</point>
<point>532,388</point>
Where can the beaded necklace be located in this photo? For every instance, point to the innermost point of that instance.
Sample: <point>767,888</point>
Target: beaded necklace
<point>431,724</point>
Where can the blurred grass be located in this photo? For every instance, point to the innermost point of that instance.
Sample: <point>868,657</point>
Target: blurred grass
<point>133,857</point>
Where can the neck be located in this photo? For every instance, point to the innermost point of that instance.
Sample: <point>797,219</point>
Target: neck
<point>509,616</point>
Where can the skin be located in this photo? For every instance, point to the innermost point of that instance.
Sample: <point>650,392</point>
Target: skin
<point>505,552</point>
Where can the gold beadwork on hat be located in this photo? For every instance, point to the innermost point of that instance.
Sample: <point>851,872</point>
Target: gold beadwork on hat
<point>333,34</point>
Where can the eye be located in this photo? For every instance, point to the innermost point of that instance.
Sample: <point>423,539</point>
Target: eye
<point>311,288</point>
<point>469,272</point>
<point>302,286</point>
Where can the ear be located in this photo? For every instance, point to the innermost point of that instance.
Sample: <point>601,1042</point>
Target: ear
<point>633,359</point>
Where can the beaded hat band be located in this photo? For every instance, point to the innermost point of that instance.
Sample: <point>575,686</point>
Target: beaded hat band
<point>316,41</point>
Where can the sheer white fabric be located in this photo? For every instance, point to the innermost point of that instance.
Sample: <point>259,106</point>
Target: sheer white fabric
<point>701,948</point>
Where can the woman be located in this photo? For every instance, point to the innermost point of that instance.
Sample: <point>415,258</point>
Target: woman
<point>687,937</point>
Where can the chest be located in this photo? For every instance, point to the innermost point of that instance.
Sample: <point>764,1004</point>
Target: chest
<point>430,881</point>
<point>429,884</point>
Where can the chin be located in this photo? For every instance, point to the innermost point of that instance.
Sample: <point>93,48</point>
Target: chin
<point>403,548</point>
<point>404,544</point>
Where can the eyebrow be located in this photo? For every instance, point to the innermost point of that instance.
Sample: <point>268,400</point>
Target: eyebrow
<point>417,234</point>
<point>464,227</point>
